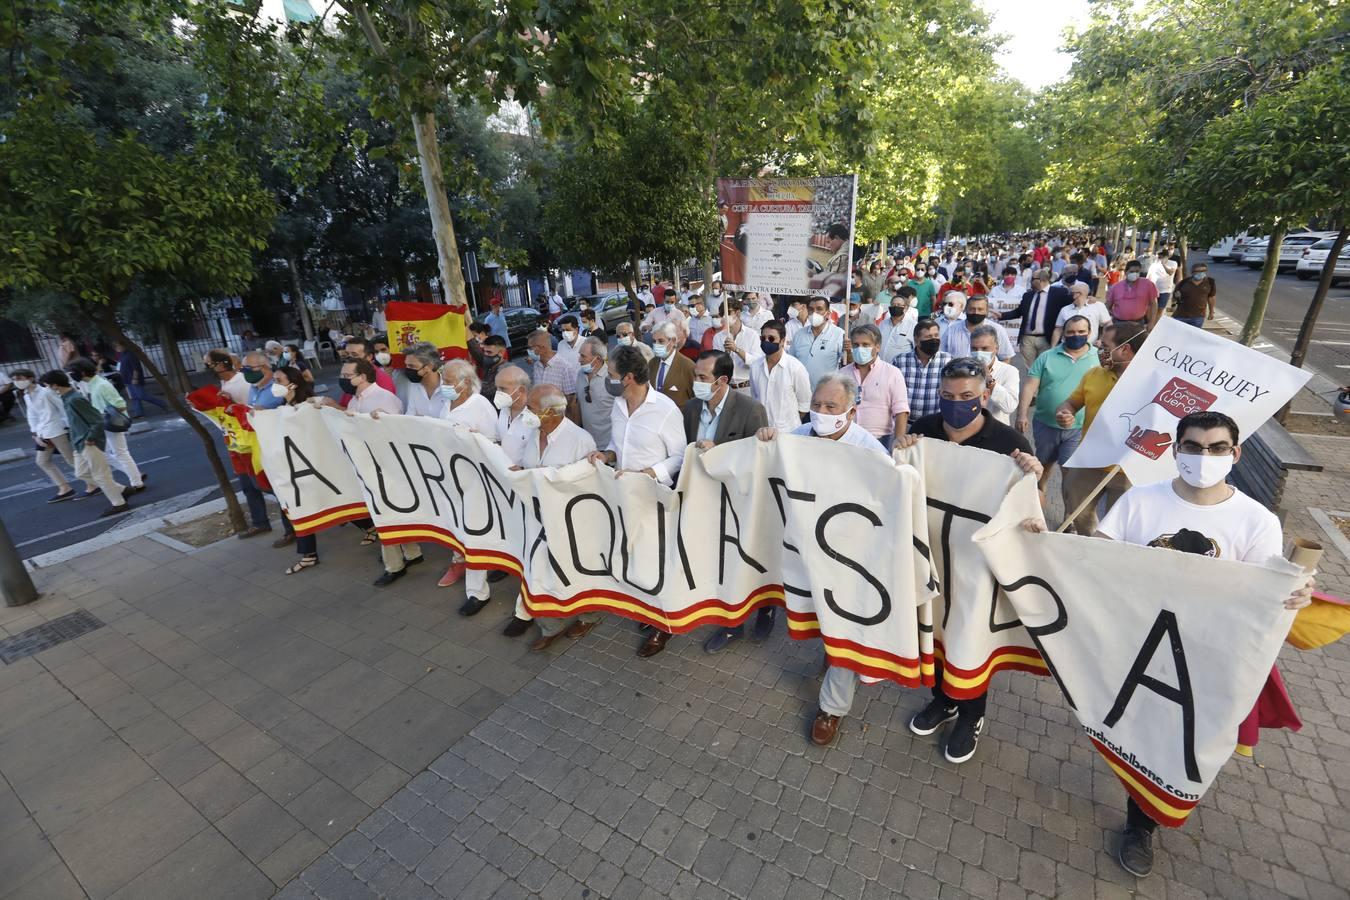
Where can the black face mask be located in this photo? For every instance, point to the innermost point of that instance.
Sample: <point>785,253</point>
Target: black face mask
<point>975,318</point>
<point>897,311</point>
<point>1070,279</point>
<point>930,345</point>
<point>414,372</point>
<point>347,386</point>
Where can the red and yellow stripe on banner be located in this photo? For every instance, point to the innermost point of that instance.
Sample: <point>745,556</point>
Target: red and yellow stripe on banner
<point>338,515</point>
<point>439,324</point>
<point>1161,805</point>
<point>963,684</point>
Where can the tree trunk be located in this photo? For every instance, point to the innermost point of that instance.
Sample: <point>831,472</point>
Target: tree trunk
<point>1261,297</point>
<point>113,331</point>
<point>404,285</point>
<point>1183,259</point>
<point>1152,241</point>
<point>173,360</point>
<point>298,297</point>
<point>1319,297</point>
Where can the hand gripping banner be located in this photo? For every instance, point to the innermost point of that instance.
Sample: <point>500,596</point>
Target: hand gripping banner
<point>747,525</point>
<point>1160,654</point>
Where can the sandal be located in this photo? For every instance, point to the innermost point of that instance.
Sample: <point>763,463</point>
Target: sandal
<point>369,538</point>
<point>306,562</point>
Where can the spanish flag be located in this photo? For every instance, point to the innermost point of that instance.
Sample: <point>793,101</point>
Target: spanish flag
<point>232,420</point>
<point>412,323</point>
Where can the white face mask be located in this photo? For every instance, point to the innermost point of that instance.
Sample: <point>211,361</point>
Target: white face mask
<point>717,321</point>
<point>529,419</point>
<point>383,358</point>
<point>816,321</point>
<point>951,312</point>
<point>1202,471</point>
<point>660,350</point>
<point>502,400</point>
<point>626,340</point>
<point>826,424</point>
<point>703,390</point>
<point>277,390</point>
<point>570,337</point>
<point>22,384</point>
<point>1131,276</point>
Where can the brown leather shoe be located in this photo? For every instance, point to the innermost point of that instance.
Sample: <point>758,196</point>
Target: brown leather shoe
<point>579,629</point>
<point>654,644</point>
<point>824,728</point>
<point>545,642</point>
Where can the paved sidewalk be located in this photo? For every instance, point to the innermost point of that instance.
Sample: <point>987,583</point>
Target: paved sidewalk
<point>231,727</point>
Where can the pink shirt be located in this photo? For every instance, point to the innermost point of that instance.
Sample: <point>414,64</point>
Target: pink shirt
<point>382,379</point>
<point>1130,302</point>
<point>882,397</point>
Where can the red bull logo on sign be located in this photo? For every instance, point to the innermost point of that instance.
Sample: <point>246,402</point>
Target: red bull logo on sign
<point>1151,427</point>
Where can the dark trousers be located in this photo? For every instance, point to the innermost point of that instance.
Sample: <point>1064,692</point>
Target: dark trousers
<point>305,544</point>
<point>257,504</point>
<point>967,709</point>
<point>1135,817</point>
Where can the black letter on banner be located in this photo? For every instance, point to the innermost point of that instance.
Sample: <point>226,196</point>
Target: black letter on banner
<point>1036,632</point>
<point>487,506</point>
<point>779,487</point>
<point>660,550</point>
<point>507,494</point>
<point>884,612</point>
<point>724,539</point>
<point>293,451</point>
<point>379,476</point>
<point>572,535</point>
<point>539,539</point>
<point>949,511</point>
<point>679,541</point>
<point>1165,624</point>
<point>371,505</point>
<point>428,478</point>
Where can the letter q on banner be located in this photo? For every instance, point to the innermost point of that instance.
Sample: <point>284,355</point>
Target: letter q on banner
<point>1178,371</point>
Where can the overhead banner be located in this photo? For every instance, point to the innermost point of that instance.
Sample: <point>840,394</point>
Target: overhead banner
<point>745,527</point>
<point>1160,654</point>
<point>411,323</point>
<point>789,236</point>
<point>977,630</point>
<point>1181,370</point>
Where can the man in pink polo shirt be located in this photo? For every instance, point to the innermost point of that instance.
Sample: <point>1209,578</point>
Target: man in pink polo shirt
<point>883,398</point>
<point>1133,299</point>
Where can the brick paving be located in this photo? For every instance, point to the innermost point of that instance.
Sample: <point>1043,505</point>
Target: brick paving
<point>231,728</point>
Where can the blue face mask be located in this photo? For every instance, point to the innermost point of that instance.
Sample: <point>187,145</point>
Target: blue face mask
<point>532,355</point>
<point>862,355</point>
<point>1075,341</point>
<point>959,413</point>
<point>449,393</point>
<point>660,350</point>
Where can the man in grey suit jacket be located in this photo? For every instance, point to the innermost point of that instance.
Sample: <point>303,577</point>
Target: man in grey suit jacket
<point>716,415</point>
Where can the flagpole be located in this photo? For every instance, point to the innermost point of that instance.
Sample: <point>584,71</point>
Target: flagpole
<point>1090,498</point>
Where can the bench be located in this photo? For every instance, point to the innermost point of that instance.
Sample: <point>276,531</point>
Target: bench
<point>1268,456</point>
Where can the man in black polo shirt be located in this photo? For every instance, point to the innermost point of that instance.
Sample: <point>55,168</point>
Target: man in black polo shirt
<point>963,419</point>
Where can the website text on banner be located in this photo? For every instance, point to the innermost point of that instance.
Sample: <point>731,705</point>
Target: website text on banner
<point>745,526</point>
<point>1182,370</point>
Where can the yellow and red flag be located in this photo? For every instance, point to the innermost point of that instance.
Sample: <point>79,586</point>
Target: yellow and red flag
<point>442,325</point>
<point>232,420</point>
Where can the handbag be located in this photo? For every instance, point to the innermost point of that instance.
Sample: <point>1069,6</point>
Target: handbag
<point>116,421</point>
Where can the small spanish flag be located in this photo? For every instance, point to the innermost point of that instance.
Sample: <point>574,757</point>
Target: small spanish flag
<point>232,420</point>
<point>412,323</point>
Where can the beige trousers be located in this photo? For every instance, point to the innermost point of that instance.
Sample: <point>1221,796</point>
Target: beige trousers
<point>91,465</point>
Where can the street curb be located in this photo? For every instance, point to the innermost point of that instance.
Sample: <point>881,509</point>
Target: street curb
<point>1338,540</point>
<point>141,529</point>
<point>13,455</point>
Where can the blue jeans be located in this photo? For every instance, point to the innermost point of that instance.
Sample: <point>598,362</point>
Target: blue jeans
<point>1198,321</point>
<point>1163,298</point>
<point>139,395</point>
<point>257,504</point>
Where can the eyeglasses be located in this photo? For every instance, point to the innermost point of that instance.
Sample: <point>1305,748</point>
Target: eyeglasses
<point>1221,448</point>
<point>963,367</point>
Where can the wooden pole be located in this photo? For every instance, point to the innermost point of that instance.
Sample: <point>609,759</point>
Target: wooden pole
<point>1090,498</point>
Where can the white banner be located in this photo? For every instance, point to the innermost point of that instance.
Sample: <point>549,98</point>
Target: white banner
<point>1180,370</point>
<point>977,629</point>
<point>1161,654</point>
<point>746,526</point>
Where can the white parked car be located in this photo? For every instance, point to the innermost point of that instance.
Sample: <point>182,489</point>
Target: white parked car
<point>1314,257</point>
<point>1253,254</point>
<point>1240,245</point>
<point>1291,249</point>
<point>1222,249</point>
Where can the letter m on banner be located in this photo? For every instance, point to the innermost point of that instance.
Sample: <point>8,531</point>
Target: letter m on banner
<point>412,323</point>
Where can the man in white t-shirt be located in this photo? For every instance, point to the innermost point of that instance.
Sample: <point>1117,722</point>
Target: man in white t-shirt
<point>1197,512</point>
<point>1162,273</point>
<point>1083,305</point>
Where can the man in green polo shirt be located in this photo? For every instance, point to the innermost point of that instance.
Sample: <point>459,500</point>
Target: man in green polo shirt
<point>924,292</point>
<point>1050,380</point>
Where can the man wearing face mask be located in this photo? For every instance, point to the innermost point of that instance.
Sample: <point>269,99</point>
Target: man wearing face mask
<point>717,413</point>
<point>883,399</point>
<point>515,423</point>
<point>700,321</point>
<point>358,348</point>
<point>1003,381</point>
<point>626,336</point>
<point>1133,299</point>
<point>953,310</point>
<point>592,406</point>
<point>1196,512</point>
<point>257,371</point>
<point>567,344</point>
<point>820,345</point>
<point>496,321</point>
<point>716,297</point>
<point>554,441</point>
<point>753,312</point>
<point>779,381</point>
<point>964,419</point>
<point>664,312</point>
<point>956,337</point>
<point>549,366</point>
<point>670,372</point>
<point>922,368</point>
<point>1195,297</point>
<point>798,313</point>
<point>925,291</point>
<point>1119,344</point>
<point>466,407</point>
<point>51,434</point>
<point>1083,305</point>
<point>1006,296</point>
<point>897,328</point>
<point>1050,380</point>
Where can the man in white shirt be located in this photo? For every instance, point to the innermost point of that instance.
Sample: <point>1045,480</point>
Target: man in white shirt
<point>820,345</point>
<point>665,312</point>
<point>592,406</point>
<point>956,337</point>
<point>1006,296</point>
<point>646,437</point>
<point>645,295</point>
<point>47,425</point>
<point>699,321</point>
<point>716,297</point>
<point>625,336</point>
<point>897,328</point>
<point>1004,382</point>
<point>567,343</point>
<point>224,366</point>
<point>739,340</point>
<point>778,380</point>
<point>514,429</point>
<point>554,440</point>
<point>556,305</point>
<point>798,313</point>
<point>753,312</point>
<point>1162,273</point>
<point>1092,310</point>
<point>421,366</point>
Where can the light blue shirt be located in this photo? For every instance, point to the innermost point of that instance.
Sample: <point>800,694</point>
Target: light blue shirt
<point>956,339</point>
<point>707,418</point>
<point>260,397</point>
<point>821,354</point>
<point>497,322</point>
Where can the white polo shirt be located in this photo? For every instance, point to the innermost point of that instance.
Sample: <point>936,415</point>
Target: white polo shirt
<point>784,390</point>
<point>568,443</point>
<point>651,438</point>
<point>477,414</point>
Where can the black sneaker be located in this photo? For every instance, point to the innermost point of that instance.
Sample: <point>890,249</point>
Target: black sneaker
<point>387,577</point>
<point>763,626</point>
<point>720,639</point>
<point>1136,852</point>
<point>114,511</point>
<point>473,606</point>
<point>963,739</point>
<point>931,717</point>
<point>516,627</point>
<point>61,498</point>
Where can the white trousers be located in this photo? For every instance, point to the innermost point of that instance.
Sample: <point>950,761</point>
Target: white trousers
<point>119,457</point>
<point>91,465</point>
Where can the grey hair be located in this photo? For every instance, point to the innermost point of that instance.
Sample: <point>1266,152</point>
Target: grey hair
<point>984,329</point>
<point>867,329</point>
<point>514,375</point>
<point>597,347</point>
<point>256,354</point>
<point>459,371</point>
<point>425,352</point>
<point>666,330</point>
<point>846,382</point>
<point>1073,288</point>
<point>551,397</point>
